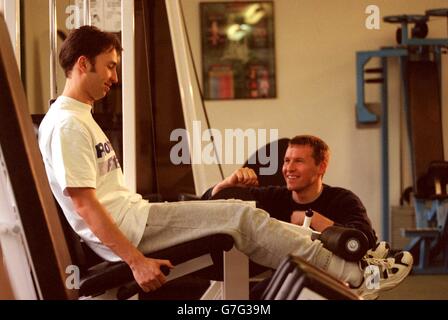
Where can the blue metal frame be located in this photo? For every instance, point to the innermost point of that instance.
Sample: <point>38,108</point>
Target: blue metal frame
<point>385,152</point>
<point>365,116</point>
<point>427,240</point>
<point>406,41</point>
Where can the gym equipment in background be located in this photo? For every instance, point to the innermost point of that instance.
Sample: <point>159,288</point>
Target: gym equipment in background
<point>420,64</point>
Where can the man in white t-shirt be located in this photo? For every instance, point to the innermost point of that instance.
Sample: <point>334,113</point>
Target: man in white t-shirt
<point>87,181</point>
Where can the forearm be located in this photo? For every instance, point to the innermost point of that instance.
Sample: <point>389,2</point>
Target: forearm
<point>320,222</point>
<point>106,230</point>
<point>243,177</point>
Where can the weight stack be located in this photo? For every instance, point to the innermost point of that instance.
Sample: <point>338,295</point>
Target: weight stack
<point>295,279</point>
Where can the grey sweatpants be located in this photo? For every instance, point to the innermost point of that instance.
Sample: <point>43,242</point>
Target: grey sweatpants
<point>264,240</point>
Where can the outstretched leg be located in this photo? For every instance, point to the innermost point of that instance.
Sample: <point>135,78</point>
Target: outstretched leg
<point>265,240</point>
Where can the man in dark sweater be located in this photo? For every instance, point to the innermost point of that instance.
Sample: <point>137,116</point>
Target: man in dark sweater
<point>305,163</point>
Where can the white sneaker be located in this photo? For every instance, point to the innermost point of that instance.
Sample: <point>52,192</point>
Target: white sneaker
<point>380,251</point>
<point>384,274</point>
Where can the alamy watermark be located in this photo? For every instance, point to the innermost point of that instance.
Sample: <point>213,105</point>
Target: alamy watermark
<point>373,19</point>
<point>74,18</point>
<point>73,277</point>
<point>211,146</point>
<point>372,277</point>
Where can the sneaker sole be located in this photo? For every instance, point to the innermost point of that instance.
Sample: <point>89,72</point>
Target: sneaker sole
<point>407,262</point>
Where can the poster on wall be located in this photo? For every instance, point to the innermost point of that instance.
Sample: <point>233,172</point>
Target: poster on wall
<point>238,50</point>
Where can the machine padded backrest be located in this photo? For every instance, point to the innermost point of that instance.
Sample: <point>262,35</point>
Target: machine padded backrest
<point>254,162</point>
<point>80,254</point>
<point>425,118</point>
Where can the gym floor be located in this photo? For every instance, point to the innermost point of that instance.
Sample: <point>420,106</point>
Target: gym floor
<point>419,287</point>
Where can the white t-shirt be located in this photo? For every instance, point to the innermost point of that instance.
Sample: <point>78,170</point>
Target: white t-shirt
<point>77,153</point>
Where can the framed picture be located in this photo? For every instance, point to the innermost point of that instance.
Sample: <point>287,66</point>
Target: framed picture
<point>238,50</point>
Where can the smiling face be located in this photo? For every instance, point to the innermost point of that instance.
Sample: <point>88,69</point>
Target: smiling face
<point>102,75</point>
<point>300,170</point>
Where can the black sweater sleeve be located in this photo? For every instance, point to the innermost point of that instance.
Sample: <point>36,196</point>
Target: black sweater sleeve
<point>207,194</point>
<point>353,214</point>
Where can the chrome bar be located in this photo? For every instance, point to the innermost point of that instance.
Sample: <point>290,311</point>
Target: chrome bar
<point>53,49</point>
<point>128,96</point>
<point>86,7</point>
<point>11,13</point>
<point>16,255</point>
<point>203,175</point>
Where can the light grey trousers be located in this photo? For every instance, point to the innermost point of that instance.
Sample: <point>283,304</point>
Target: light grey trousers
<point>264,240</point>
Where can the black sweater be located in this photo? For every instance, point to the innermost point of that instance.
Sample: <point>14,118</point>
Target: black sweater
<point>338,204</point>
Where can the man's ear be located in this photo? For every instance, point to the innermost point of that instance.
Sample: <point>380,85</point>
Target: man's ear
<point>323,167</point>
<point>83,64</point>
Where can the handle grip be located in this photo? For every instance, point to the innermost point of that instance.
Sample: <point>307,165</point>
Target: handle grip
<point>131,288</point>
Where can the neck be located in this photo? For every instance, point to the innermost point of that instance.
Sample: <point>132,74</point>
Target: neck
<point>309,194</point>
<point>75,92</point>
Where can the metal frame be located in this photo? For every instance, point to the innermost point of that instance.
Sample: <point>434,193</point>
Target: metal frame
<point>128,93</point>
<point>86,10</point>
<point>419,42</point>
<point>204,176</point>
<point>235,285</point>
<point>426,237</point>
<point>53,48</point>
<point>11,12</point>
<point>12,242</point>
<point>365,116</point>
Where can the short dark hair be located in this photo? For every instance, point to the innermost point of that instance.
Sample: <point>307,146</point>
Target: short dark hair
<point>86,41</point>
<point>321,151</point>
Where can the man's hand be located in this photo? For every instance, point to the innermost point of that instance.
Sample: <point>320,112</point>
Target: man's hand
<point>243,177</point>
<point>147,273</point>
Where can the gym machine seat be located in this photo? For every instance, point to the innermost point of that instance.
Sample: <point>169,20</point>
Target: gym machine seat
<point>106,276</point>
